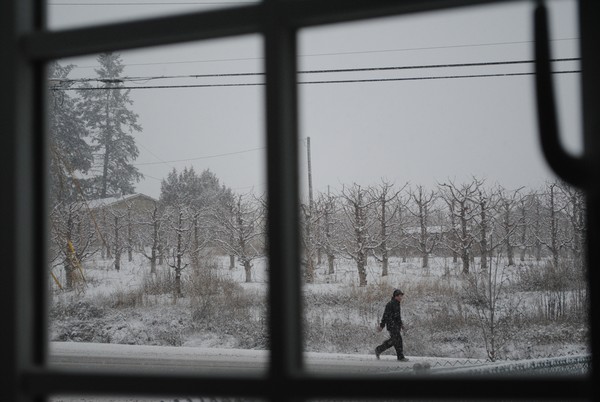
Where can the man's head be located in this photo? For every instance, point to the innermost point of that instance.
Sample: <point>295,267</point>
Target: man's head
<point>397,292</point>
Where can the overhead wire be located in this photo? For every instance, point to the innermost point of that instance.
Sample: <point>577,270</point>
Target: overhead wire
<point>200,157</point>
<point>313,82</point>
<point>322,71</point>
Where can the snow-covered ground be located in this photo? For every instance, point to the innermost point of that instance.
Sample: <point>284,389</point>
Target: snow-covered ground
<point>110,313</point>
<point>112,307</point>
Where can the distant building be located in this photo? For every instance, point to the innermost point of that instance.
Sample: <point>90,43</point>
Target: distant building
<point>137,202</point>
<point>121,222</point>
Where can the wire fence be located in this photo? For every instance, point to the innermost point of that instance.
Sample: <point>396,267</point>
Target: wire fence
<point>555,366</point>
<point>566,365</point>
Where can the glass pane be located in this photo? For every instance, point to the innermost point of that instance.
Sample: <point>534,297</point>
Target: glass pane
<point>64,14</point>
<point>421,171</point>
<point>157,242</point>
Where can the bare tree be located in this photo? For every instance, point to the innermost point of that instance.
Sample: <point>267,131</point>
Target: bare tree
<point>524,205</point>
<point>310,218</point>
<point>424,206</point>
<point>72,240</point>
<point>200,235</point>
<point>179,229</point>
<point>460,203</point>
<point>537,231</point>
<point>508,204</point>
<point>102,218</point>
<point>486,203</point>
<point>242,233</point>
<point>555,236</point>
<point>154,220</point>
<point>386,214</point>
<point>402,222</point>
<point>129,235</point>
<point>485,291</point>
<point>117,225</point>
<point>575,210</point>
<point>327,205</point>
<point>450,238</point>
<point>357,242</point>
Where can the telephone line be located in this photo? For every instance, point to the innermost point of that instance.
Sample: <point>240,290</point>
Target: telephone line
<point>199,157</point>
<point>322,71</point>
<point>314,82</point>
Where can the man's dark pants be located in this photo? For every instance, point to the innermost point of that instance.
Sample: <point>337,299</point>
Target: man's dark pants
<point>394,340</point>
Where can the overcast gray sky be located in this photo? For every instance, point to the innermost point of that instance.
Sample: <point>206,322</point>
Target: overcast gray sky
<point>417,128</point>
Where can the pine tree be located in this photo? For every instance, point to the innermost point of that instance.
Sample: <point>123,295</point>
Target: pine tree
<point>196,191</point>
<point>70,154</point>
<point>106,111</point>
<point>200,196</point>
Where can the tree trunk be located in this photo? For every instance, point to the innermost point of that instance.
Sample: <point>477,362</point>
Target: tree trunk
<point>361,263</point>
<point>384,259</point>
<point>117,248</point>
<point>465,260</point>
<point>483,241</point>
<point>330,260</point>
<point>248,271</point>
<point>129,239</point>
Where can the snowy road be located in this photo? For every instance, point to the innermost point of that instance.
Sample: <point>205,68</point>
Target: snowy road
<point>200,360</point>
<point>165,359</point>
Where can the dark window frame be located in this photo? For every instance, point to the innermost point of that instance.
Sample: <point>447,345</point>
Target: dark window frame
<point>25,45</point>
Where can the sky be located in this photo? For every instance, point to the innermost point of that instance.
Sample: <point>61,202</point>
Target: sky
<point>401,125</point>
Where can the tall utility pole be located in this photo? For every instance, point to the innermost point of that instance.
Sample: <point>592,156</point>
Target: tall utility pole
<point>310,267</point>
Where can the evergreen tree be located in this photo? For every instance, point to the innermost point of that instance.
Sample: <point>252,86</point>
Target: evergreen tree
<point>70,155</point>
<point>106,111</point>
<point>190,189</point>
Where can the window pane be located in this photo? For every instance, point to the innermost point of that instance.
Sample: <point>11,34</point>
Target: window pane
<point>157,237</point>
<point>421,171</point>
<point>80,13</point>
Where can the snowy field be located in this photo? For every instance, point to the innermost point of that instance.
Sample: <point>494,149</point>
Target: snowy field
<point>119,307</point>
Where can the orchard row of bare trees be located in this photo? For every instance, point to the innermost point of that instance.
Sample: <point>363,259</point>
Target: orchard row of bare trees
<point>468,222</point>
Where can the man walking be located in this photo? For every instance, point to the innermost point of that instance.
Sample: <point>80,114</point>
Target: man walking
<point>392,319</point>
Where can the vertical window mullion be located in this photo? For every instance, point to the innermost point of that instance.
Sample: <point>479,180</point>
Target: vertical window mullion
<point>590,84</point>
<point>9,362</point>
<point>282,176</point>
<point>23,340</point>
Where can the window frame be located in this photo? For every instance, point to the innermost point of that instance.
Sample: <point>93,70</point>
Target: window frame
<point>26,45</point>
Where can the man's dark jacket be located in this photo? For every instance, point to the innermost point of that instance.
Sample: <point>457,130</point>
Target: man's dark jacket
<point>391,316</point>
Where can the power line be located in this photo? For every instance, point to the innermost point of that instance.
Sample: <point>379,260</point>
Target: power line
<point>315,82</point>
<point>433,77</point>
<point>340,70</point>
<point>200,157</point>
